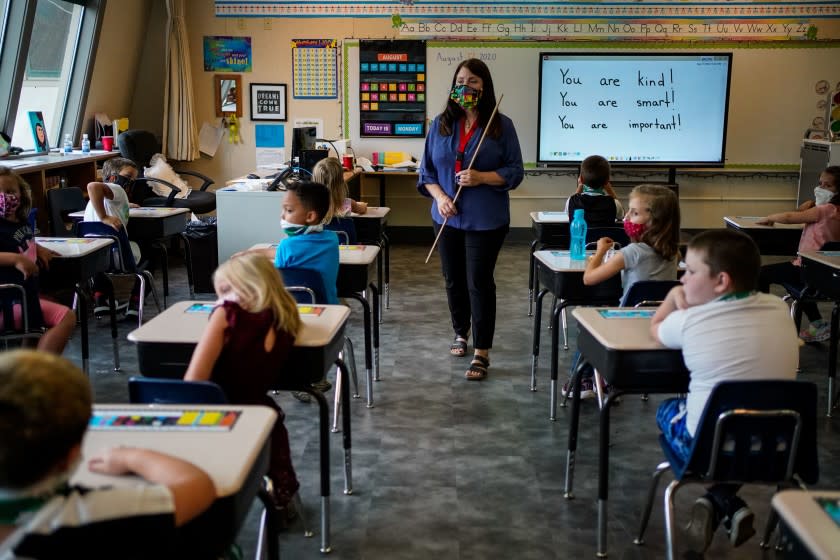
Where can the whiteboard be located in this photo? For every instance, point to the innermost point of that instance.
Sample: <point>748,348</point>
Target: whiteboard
<point>772,93</point>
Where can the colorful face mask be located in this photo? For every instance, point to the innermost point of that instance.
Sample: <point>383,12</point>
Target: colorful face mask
<point>822,196</point>
<point>465,96</point>
<point>9,204</point>
<point>291,229</point>
<point>634,231</point>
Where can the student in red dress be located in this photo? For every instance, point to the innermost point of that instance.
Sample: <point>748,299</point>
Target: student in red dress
<point>245,348</point>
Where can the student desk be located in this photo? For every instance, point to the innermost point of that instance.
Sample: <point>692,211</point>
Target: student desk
<point>354,273</point>
<point>382,177</point>
<point>370,230</point>
<point>551,229</point>
<point>165,345</point>
<point>563,277</point>
<point>80,260</point>
<point>822,271</point>
<point>236,458</point>
<point>778,239</point>
<point>621,348</point>
<point>807,529</point>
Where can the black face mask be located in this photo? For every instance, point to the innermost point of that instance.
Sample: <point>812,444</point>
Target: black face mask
<point>123,181</point>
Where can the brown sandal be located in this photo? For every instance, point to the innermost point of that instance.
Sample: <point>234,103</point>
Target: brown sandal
<point>478,368</point>
<point>458,347</point>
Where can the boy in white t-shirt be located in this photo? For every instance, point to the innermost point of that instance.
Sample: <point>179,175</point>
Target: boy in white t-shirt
<point>109,204</point>
<point>727,331</point>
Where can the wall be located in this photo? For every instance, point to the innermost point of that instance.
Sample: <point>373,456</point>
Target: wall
<point>704,198</point>
<point>114,83</point>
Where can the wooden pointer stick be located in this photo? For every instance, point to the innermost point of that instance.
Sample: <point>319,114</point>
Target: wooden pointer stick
<point>460,187</point>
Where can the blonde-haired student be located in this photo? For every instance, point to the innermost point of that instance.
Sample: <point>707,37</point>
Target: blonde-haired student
<point>329,172</point>
<point>246,346</point>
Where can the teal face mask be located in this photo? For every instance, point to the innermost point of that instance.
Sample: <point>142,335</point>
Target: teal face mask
<point>465,96</point>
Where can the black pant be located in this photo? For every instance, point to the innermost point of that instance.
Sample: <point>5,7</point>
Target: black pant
<point>468,261</point>
<point>788,273</point>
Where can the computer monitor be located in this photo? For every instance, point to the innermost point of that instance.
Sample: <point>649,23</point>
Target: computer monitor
<point>303,138</point>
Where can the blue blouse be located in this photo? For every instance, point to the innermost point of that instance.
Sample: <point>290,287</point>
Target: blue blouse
<point>481,207</point>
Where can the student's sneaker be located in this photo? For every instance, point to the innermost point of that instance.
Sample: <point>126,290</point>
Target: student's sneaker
<point>100,305</point>
<point>133,310</point>
<point>323,385</point>
<point>587,389</point>
<point>818,331</point>
<point>740,526</point>
<point>701,526</point>
<point>302,397</point>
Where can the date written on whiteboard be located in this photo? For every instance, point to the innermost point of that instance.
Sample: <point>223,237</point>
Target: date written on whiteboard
<point>453,59</point>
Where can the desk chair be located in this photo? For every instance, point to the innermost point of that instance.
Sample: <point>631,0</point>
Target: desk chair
<point>14,290</point>
<point>139,146</point>
<point>122,260</point>
<point>801,293</point>
<point>751,432</point>
<point>307,287</point>
<point>151,390</point>
<point>62,202</point>
<point>648,293</point>
<point>344,226</point>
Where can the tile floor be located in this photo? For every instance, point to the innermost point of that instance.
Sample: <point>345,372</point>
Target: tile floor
<point>449,469</point>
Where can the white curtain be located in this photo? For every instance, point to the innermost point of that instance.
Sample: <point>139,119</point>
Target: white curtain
<point>180,134</point>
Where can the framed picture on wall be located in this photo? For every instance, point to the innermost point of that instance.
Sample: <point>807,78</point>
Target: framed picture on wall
<point>268,102</point>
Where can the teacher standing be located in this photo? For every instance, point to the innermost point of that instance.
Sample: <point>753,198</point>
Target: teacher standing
<point>478,223</point>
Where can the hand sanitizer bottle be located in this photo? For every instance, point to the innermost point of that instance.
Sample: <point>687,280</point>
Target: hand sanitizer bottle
<point>85,144</point>
<point>68,145</point>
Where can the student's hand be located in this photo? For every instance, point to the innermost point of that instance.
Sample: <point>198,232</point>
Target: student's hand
<point>112,221</point>
<point>605,244</point>
<point>111,461</point>
<point>361,207</point>
<point>45,256</point>
<point>445,206</point>
<point>25,266</point>
<point>677,297</point>
<point>765,222</point>
<point>807,205</point>
<point>133,205</point>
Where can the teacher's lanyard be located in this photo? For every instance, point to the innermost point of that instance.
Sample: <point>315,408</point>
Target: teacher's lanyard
<point>462,144</point>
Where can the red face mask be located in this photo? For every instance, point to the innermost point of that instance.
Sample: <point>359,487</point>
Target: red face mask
<point>634,231</point>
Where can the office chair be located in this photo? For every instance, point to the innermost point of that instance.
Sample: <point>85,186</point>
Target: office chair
<point>751,432</point>
<point>122,260</point>
<point>151,390</point>
<point>139,146</point>
<point>15,291</point>
<point>62,202</point>
<point>307,287</point>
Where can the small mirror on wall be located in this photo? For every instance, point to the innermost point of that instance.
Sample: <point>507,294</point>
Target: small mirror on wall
<point>228,92</point>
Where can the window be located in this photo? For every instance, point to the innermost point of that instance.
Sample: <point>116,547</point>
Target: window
<point>45,65</point>
<point>52,49</point>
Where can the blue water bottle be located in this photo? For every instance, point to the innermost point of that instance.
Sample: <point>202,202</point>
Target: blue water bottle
<point>578,232</point>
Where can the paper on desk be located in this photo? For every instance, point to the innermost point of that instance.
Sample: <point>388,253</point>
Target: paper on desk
<point>209,139</point>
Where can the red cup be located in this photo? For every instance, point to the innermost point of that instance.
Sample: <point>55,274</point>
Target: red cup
<point>107,143</point>
<point>347,162</point>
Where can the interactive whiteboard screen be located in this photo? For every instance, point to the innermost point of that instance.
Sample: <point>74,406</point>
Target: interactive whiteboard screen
<point>649,109</point>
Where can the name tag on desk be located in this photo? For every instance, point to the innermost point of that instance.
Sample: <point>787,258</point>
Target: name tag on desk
<point>829,253</point>
<point>626,313</point>
<point>352,247</point>
<point>310,310</point>
<point>200,308</point>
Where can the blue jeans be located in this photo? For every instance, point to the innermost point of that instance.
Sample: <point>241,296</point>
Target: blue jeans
<point>670,417</point>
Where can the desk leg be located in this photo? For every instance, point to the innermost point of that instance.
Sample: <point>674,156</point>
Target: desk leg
<point>574,423</point>
<point>556,311</point>
<point>532,287</point>
<point>832,355</point>
<point>379,271</point>
<point>83,323</point>
<point>324,431</point>
<point>112,314</point>
<point>345,426</point>
<point>535,353</point>
<point>603,472</point>
<point>366,315</point>
<point>386,247</point>
<point>376,313</point>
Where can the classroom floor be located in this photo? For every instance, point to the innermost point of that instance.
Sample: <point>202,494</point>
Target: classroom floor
<point>452,469</point>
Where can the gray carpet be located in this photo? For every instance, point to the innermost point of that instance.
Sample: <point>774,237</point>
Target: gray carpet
<point>445,468</point>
